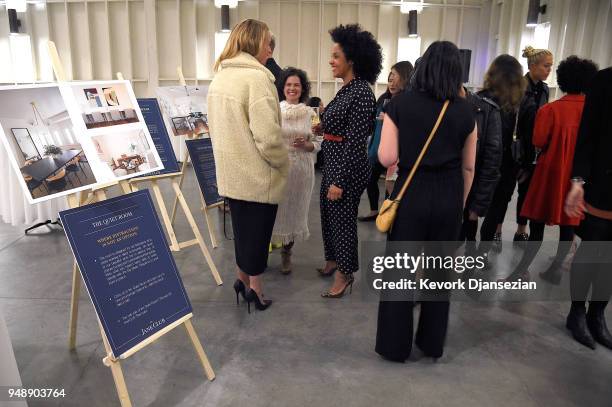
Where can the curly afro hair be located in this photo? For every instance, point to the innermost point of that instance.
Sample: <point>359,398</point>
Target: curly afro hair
<point>574,74</point>
<point>291,71</point>
<point>361,48</point>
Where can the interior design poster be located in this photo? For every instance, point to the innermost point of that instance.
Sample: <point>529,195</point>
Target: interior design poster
<point>66,138</point>
<point>185,108</point>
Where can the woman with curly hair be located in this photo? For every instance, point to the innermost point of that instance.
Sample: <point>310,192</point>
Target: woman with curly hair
<point>292,217</point>
<point>348,120</point>
<point>505,85</point>
<point>555,133</point>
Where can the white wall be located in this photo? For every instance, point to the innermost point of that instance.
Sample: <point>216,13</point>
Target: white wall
<point>147,39</point>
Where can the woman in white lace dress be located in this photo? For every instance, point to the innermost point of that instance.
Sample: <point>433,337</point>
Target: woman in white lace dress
<point>292,217</point>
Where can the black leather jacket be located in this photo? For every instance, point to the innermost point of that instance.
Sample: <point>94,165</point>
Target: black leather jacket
<point>536,95</point>
<point>488,153</point>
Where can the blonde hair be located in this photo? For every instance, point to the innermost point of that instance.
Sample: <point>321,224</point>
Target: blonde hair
<point>248,36</point>
<point>534,56</point>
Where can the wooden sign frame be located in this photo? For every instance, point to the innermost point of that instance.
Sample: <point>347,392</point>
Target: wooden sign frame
<point>98,194</point>
<point>205,208</point>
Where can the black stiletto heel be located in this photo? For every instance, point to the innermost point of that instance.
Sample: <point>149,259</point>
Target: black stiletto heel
<point>261,305</point>
<point>240,288</point>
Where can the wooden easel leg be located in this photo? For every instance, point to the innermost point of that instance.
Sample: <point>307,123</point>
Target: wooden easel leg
<point>125,187</point>
<point>117,372</point>
<point>210,374</point>
<point>196,232</point>
<point>74,306</point>
<point>174,245</point>
<point>211,227</point>
<point>180,183</point>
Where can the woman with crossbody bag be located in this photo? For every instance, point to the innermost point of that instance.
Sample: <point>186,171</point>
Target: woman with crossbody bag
<point>431,208</point>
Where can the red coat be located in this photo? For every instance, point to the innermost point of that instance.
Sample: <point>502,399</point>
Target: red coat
<point>555,132</point>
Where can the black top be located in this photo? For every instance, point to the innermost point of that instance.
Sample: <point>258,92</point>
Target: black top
<point>508,122</point>
<point>592,159</point>
<point>276,71</point>
<point>536,95</point>
<point>350,115</point>
<point>415,114</point>
<point>488,152</point>
<point>42,169</point>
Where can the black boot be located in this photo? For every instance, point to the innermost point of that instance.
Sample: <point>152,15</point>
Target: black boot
<point>596,322</point>
<point>577,324</point>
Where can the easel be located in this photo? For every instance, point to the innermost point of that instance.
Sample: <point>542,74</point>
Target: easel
<point>205,207</point>
<point>98,194</point>
<point>175,245</point>
<point>76,200</point>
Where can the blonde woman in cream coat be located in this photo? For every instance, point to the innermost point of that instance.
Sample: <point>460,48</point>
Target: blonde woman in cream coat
<point>250,155</point>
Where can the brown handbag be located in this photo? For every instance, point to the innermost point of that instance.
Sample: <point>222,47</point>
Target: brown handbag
<point>388,211</point>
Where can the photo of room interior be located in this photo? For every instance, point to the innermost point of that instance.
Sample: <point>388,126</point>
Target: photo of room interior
<point>199,123</point>
<point>40,136</point>
<point>105,105</point>
<point>126,153</point>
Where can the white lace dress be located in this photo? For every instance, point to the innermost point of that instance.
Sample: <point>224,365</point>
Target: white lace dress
<point>292,216</point>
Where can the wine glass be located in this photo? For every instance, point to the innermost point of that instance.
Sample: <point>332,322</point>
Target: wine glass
<point>315,120</point>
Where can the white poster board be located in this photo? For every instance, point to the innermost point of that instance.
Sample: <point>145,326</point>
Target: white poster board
<point>185,111</point>
<point>64,138</point>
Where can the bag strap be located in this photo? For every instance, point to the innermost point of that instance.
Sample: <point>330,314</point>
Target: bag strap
<point>514,136</point>
<point>423,150</point>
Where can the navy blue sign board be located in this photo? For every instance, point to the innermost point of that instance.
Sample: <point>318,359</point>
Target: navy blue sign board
<point>129,272</point>
<point>203,161</point>
<point>155,123</point>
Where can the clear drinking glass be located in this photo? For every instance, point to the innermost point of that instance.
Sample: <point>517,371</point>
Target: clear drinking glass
<point>315,120</point>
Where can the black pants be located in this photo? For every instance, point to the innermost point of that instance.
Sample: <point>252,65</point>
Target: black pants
<point>252,224</point>
<point>469,227</point>
<point>536,236</point>
<point>499,204</point>
<point>523,187</point>
<point>585,276</point>
<point>372,188</point>
<point>431,210</point>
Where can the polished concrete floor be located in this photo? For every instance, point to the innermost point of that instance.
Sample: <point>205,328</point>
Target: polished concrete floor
<point>303,351</point>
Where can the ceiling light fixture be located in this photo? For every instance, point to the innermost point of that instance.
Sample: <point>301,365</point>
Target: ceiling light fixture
<point>407,6</point>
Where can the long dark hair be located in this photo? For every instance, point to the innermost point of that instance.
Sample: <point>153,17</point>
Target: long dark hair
<point>505,81</point>
<point>404,70</point>
<point>439,71</point>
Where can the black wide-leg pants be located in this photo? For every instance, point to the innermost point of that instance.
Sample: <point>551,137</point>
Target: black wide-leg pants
<point>587,273</point>
<point>431,210</point>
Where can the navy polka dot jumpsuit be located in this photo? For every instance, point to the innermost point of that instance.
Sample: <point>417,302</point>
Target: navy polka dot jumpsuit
<point>350,115</point>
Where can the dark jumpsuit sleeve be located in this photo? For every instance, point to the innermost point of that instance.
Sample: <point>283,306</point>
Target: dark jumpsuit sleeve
<point>358,128</point>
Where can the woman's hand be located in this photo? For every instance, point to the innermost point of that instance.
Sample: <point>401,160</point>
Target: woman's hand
<point>574,203</point>
<point>318,129</point>
<point>334,193</point>
<point>301,143</point>
<point>389,185</point>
